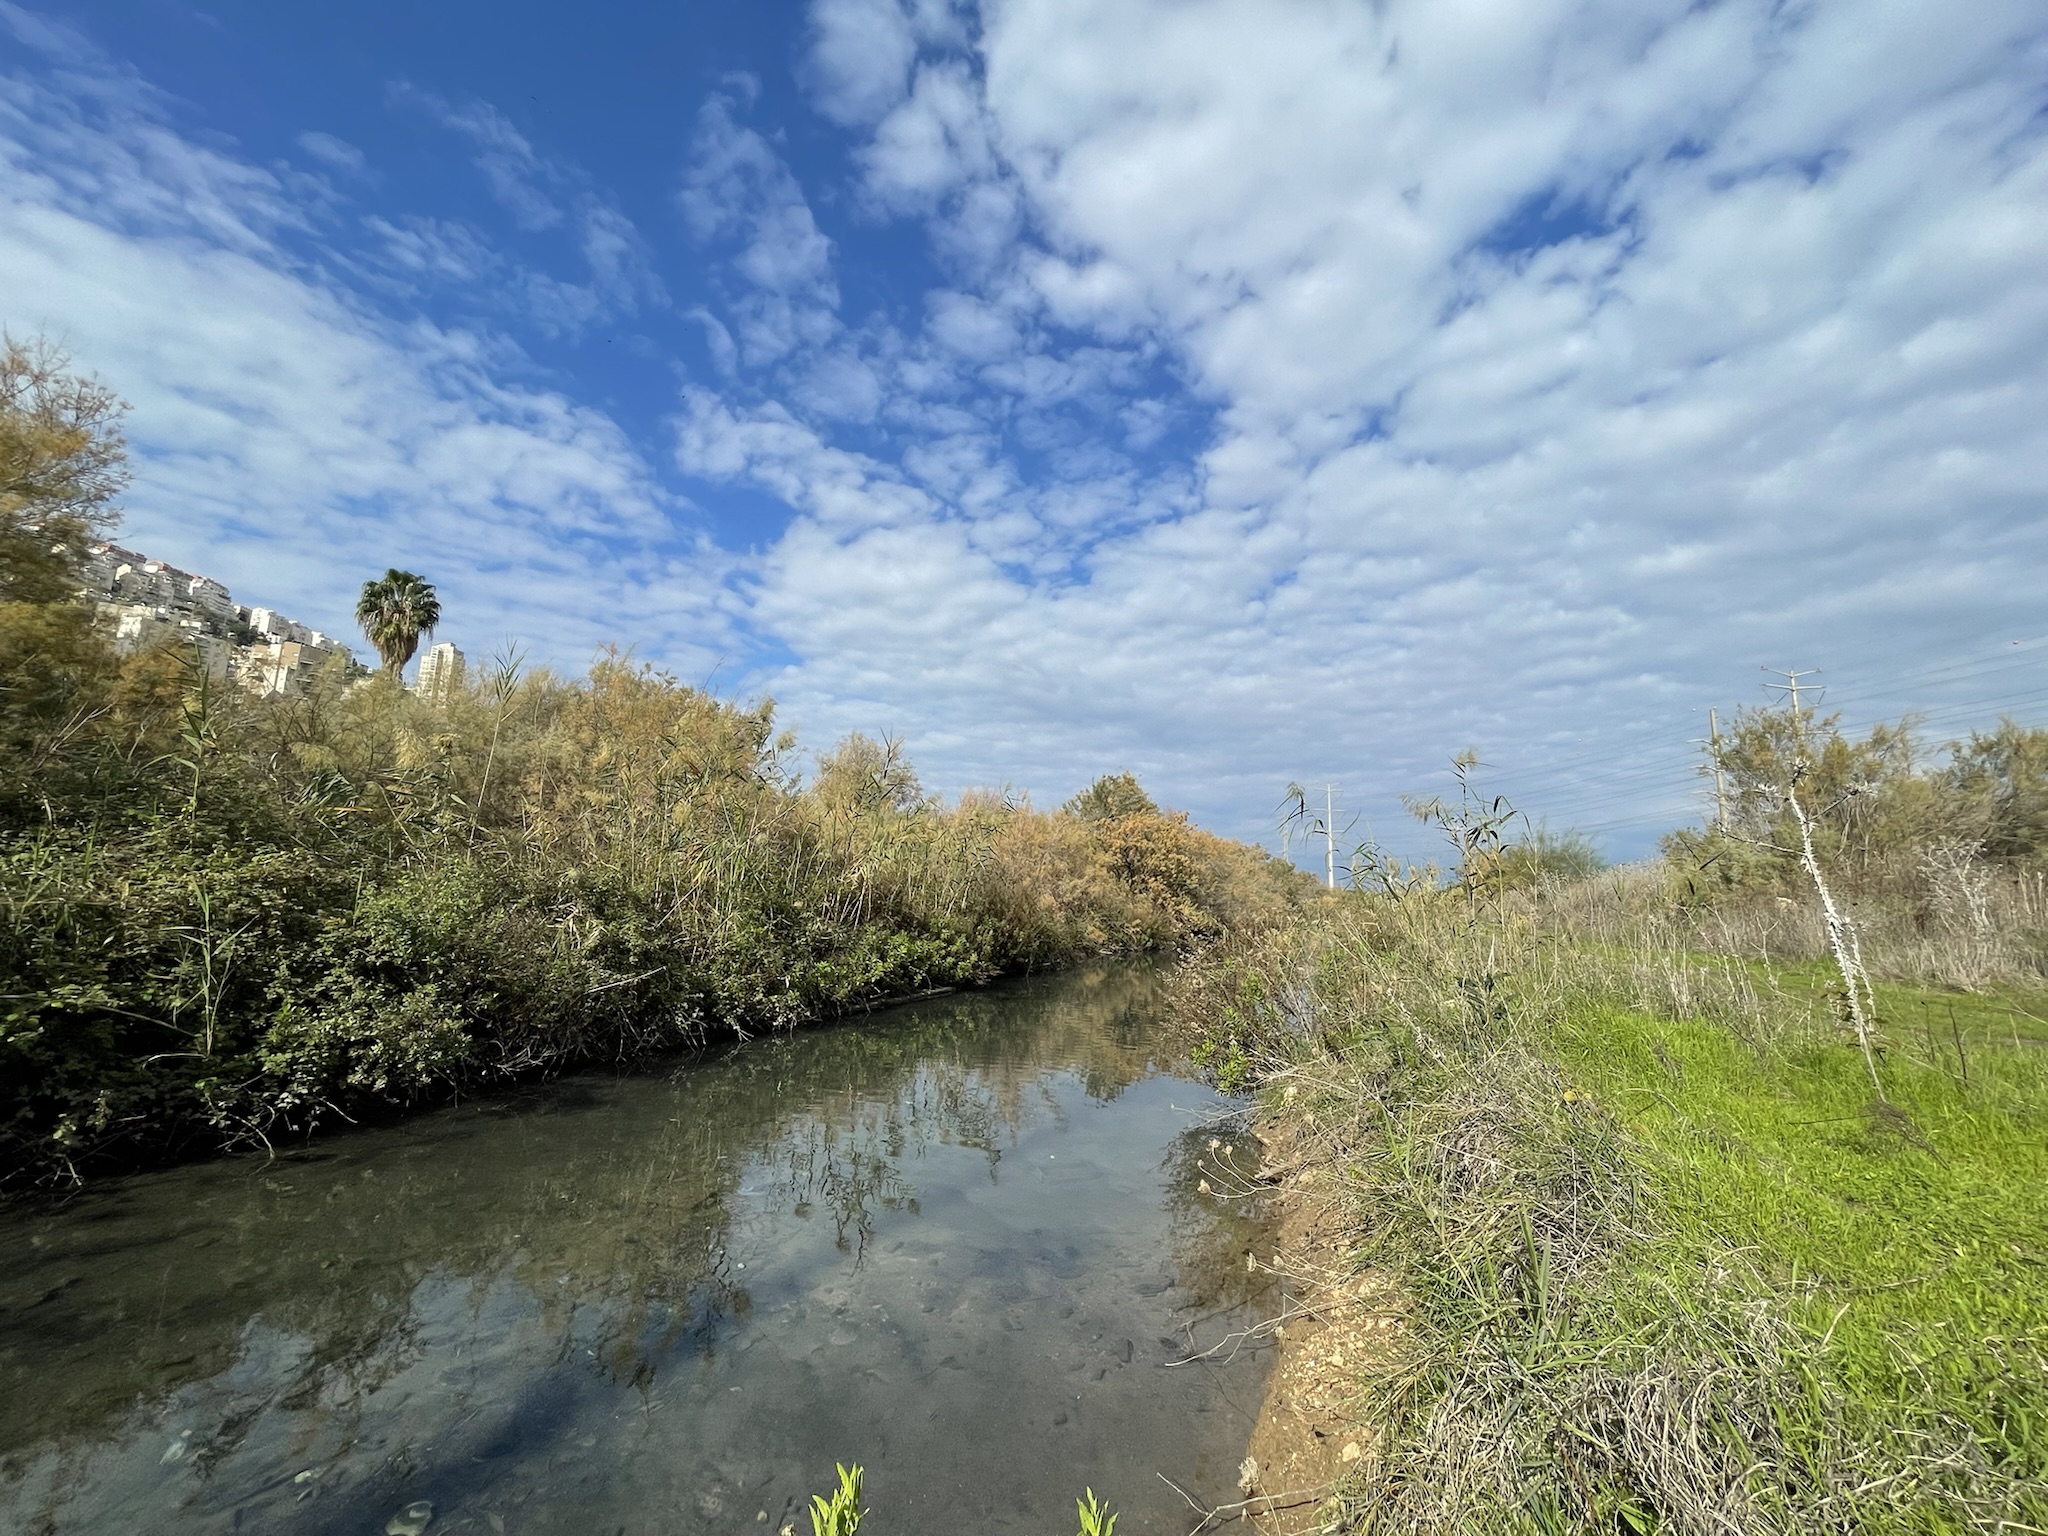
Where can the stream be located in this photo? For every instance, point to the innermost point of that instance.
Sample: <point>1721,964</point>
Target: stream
<point>963,1243</point>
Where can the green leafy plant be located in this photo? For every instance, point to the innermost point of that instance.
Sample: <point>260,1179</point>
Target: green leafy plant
<point>1648,1226</point>
<point>841,1514</point>
<point>1096,1519</point>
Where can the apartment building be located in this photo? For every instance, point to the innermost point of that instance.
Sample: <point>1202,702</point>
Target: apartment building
<point>441,671</point>
<point>148,603</point>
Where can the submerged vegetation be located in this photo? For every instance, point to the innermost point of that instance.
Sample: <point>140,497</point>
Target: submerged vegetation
<point>840,1514</point>
<point>1674,1253</point>
<point>226,918</point>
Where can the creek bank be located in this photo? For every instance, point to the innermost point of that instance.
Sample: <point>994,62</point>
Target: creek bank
<point>1667,1263</point>
<point>1333,1326</point>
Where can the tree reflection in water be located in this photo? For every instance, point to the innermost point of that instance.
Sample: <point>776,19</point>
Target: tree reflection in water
<point>644,1298</point>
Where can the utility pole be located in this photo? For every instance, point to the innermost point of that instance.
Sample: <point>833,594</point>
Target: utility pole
<point>1330,835</point>
<point>1712,742</point>
<point>1792,687</point>
<point>1720,779</point>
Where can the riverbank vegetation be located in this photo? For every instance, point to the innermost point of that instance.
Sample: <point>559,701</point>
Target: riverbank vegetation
<point>1674,1251</point>
<point>226,919</point>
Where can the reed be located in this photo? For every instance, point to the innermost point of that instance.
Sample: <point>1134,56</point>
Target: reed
<point>225,920</point>
<point>1667,1262</point>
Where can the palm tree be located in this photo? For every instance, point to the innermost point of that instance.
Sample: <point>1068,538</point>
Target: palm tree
<point>394,613</point>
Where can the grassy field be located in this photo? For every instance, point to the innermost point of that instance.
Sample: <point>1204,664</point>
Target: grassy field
<point>1671,1261</point>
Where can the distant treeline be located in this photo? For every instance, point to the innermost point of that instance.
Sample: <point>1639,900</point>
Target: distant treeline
<point>226,919</point>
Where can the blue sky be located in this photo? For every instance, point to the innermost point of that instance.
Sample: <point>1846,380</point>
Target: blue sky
<point>1234,391</point>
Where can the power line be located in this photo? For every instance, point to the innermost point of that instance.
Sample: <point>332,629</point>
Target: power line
<point>1644,766</point>
<point>1619,773</point>
<point>2004,657</point>
<point>1897,685</point>
<point>1791,688</point>
<point>1963,711</point>
<point>1871,695</point>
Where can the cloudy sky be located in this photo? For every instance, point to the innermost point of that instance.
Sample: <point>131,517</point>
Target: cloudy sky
<point>1233,391</point>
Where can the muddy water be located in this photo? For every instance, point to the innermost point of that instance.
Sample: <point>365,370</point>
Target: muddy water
<point>963,1244</point>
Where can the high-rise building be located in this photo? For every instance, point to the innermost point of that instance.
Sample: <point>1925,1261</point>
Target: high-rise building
<point>440,673</point>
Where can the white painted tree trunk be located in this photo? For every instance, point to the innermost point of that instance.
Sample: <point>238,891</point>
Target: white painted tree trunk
<point>1843,941</point>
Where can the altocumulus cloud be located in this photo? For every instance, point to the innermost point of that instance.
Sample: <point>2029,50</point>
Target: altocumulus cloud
<point>1284,390</point>
<point>1567,362</point>
<point>288,434</point>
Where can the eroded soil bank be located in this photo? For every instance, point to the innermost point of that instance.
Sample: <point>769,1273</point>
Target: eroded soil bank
<point>1330,1327</point>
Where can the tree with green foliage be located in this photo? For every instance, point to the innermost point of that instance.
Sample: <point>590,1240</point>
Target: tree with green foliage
<point>1868,801</point>
<point>61,465</point>
<point>2001,779</point>
<point>1541,855</point>
<point>1112,796</point>
<point>394,612</point>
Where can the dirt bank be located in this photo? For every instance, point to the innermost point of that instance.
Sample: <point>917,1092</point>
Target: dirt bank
<point>1335,1328</point>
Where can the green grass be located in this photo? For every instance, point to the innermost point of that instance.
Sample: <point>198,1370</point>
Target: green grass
<point>1911,1238</point>
<point>1922,1020</point>
<point>1670,1263</point>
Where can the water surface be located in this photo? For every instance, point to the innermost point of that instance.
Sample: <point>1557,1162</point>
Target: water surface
<point>964,1244</point>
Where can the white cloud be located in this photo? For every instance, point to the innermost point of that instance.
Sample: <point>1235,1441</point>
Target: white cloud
<point>336,154</point>
<point>724,350</point>
<point>518,177</point>
<point>840,386</point>
<point>287,440</point>
<point>542,194</point>
<point>621,266</point>
<point>736,186</point>
<point>969,327</point>
<point>435,248</point>
<point>1096,295</point>
<point>415,255</point>
<point>738,191</point>
<point>860,57</point>
<point>1569,360</point>
<point>933,143</point>
<point>1311,389</point>
<point>772,448</point>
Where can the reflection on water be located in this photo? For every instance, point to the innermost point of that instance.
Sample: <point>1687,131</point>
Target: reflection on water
<point>962,1244</point>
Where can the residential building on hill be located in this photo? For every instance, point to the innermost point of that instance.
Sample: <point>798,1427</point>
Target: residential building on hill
<point>147,603</point>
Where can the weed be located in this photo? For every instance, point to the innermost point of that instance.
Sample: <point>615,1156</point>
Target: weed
<point>1096,1519</point>
<point>840,1514</point>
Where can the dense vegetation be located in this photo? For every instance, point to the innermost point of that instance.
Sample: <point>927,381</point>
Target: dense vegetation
<point>1669,1258</point>
<point>225,918</point>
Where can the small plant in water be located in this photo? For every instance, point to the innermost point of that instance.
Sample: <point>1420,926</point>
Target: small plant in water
<point>1096,1519</point>
<point>841,1514</point>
